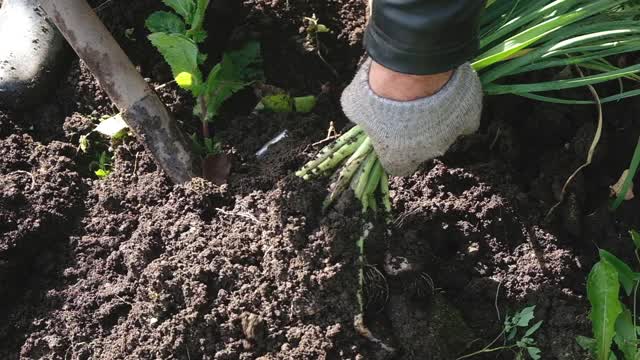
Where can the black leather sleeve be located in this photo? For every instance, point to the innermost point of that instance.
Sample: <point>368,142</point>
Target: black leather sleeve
<point>423,36</point>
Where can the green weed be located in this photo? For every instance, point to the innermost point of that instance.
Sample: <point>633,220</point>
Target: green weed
<point>115,129</point>
<point>612,322</point>
<point>176,35</point>
<point>517,335</point>
<point>102,165</point>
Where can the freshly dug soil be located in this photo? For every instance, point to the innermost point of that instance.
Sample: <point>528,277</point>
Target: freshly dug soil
<point>133,267</point>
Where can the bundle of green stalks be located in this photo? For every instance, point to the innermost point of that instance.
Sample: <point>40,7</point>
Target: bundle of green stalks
<point>517,37</point>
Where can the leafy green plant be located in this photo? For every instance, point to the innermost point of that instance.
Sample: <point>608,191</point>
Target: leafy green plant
<point>115,129</point>
<point>516,37</point>
<point>102,165</point>
<point>517,335</point>
<point>312,42</point>
<point>612,321</point>
<point>176,35</point>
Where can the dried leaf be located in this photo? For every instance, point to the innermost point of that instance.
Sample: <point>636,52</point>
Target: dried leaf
<point>617,187</point>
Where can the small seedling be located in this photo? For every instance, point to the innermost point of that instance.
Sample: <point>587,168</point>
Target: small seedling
<point>521,343</point>
<point>312,43</point>
<point>176,35</point>
<point>313,28</point>
<point>102,165</point>
<point>115,129</point>
<point>612,321</point>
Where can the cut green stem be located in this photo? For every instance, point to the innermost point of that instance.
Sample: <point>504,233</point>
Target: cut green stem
<point>348,170</point>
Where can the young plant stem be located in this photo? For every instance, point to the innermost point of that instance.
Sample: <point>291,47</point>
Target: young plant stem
<point>487,348</point>
<point>635,298</point>
<point>361,178</point>
<point>348,170</point>
<point>349,137</point>
<point>384,192</point>
<point>341,154</point>
<point>368,199</point>
<point>484,351</point>
<point>203,117</point>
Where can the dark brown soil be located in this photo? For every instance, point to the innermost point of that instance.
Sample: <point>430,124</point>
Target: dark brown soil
<point>133,267</point>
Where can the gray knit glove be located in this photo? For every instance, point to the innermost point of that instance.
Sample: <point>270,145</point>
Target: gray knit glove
<point>404,134</point>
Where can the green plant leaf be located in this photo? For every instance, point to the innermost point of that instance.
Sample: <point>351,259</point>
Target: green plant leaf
<point>184,8</point>
<point>102,173</point>
<point>236,70</point>
<point>586,343</point>
<point>534,352</point>
<point>533,329</point>
<point>603,289</point>
<point>198,16</point>
<point>247,62</point>
<point>626,276</point>
<point>635,236</point>
<point>180,53</point>
<point>626,337</point>
<point>512,333</point>
<point>198,36</point>
<point>164,21</point>
<point>524,316</point>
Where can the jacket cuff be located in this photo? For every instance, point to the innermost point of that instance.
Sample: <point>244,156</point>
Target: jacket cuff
<point>423,38</point>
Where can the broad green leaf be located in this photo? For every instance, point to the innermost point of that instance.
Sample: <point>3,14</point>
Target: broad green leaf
<point>603,289</point>
<point>635,236</point>
<point>220,85</point>
<point>236,70</point>
<point>525,316</point>
<point>163,21</point>
<point>626,276</point>
<point>247,61</point>
<point>533,329</point>
<point>626,337</point>
<point>184,8</point>
<point>179,52</point>
<point>198,16</point>
<point>534,352</point>
<point>112,126</point>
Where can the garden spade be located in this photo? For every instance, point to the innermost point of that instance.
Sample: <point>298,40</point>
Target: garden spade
<point>139,105</point>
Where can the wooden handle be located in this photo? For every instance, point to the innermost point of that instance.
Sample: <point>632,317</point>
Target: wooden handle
<point>141,108</point>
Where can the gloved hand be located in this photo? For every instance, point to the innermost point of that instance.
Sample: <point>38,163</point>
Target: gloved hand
<point>406,133</point>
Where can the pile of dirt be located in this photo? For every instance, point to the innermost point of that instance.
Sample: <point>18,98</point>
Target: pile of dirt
<point>194,271</point>
<point>134,267</point>
<point>41,196</point>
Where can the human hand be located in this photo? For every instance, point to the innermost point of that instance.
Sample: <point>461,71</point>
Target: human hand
<point>413,118</point>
